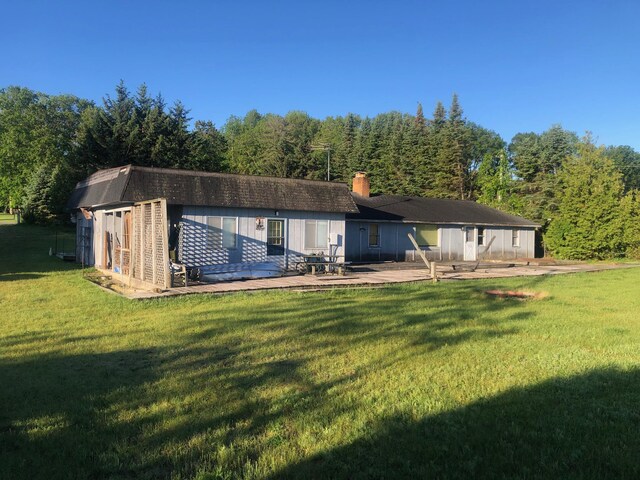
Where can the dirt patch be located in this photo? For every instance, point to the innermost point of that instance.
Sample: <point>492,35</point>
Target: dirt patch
<point>108,283</point>
<point>517,294</point>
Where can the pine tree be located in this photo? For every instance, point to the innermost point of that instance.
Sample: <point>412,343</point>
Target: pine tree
<point>453,156</point>
<point>589,222</point>
<point>439,116</point>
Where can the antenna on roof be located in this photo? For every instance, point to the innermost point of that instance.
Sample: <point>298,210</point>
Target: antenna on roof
<point>327,148</point>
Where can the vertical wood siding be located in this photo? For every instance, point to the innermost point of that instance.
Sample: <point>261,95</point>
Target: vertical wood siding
<point>251,243</point>
<point>395,245</point>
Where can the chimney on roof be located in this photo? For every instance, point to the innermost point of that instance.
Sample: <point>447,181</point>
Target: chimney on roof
<point>361,184</point>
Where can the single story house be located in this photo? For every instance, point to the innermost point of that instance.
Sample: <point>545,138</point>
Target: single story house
<point>446,230</point>
<point>133,220</point>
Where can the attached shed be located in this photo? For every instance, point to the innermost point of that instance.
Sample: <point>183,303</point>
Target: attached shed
<point>446,230</point>
<point>131,220</point>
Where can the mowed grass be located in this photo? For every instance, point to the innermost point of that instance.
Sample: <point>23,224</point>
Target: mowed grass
<point>7,218</point>
<point>412,381</point>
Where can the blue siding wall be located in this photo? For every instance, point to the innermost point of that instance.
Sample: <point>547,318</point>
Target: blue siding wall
<point>251,245</point>
<point>395,245</point>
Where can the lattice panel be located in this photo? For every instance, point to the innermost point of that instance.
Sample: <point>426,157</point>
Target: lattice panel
<point>137,262</point>
<point>147,243</point>
<point>149,252</point>
<point>161,249</point>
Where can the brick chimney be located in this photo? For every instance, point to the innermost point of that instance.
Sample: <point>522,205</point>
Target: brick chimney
<point>361,184</point>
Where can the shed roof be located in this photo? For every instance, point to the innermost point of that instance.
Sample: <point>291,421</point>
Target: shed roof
<point>130,184</point>
<point>397,208</point>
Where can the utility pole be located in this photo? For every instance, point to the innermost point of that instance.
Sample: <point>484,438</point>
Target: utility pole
<point>327,148</point>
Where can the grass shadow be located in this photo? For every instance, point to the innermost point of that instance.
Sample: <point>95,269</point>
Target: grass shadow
<point>55,419</point>
<point>579,427</point>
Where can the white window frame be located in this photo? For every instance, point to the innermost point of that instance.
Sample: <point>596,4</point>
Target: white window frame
<point>235,233</point>
<point>315,246</point>
<point>515,238</point>
<point>482,236</point>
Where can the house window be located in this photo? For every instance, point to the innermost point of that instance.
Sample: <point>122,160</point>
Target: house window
<point>481,236</point>
<point>222,232</point>
<point>275,237</point>
<point>468,234</point>
<point>316,234</point>
<point>427,235</point>
<point>515,238</point>
<point>374,235</point>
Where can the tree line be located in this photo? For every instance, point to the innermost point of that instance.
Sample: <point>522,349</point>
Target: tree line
<point>49,142</point>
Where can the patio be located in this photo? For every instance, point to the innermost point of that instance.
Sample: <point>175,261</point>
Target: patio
<point>376,275</point>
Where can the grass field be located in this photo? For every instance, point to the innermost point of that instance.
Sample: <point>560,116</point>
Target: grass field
<point>412,381</point>
<point>6,218</point>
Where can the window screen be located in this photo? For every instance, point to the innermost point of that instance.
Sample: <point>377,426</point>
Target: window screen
<point>316,233</point>
<point>427,235</point>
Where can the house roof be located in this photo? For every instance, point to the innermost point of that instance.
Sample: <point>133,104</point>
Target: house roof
<point>396,208</point>
<point>128,184</point>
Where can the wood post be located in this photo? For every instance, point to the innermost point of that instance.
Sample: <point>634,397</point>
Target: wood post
<point>430,265</point>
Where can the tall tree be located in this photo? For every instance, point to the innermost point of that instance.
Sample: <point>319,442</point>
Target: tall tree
<point>628,162</point>
<point>496,184</point>
<point>589,221</point>
<point>37,134</point>
<point>452,176</point>
<point>207,148</point>
<point>537,158</point>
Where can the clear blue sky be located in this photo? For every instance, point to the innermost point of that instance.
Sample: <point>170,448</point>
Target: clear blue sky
<point>516,66</point>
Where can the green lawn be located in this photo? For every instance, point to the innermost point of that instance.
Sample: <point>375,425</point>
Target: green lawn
<point>421,380</point>
<point>7,218</point>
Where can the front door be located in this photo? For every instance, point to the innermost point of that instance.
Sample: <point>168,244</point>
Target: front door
<point>276,242</point>
<point>469,244</point>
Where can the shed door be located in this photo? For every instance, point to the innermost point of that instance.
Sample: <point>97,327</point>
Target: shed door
<point>469,244</point>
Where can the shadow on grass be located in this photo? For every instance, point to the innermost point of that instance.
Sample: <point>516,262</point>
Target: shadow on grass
<point>578,427</point>
<point>13,277</point>
<point>54,413</point>
<point>161,412</point>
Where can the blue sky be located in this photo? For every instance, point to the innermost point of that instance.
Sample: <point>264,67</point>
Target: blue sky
<point>516,66</point>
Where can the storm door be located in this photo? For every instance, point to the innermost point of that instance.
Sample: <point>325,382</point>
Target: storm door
<point>470,245</point>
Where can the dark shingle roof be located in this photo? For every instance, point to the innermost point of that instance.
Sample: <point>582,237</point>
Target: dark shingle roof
<point>184,187</point>
<point>432,210</point>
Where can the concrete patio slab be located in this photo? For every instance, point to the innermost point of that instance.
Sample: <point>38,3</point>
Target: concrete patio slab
<point>377,278</point>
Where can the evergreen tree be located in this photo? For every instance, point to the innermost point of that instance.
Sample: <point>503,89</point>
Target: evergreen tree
<point>452,176</point>
<point>537,158</point>
<point>420,122</point>
<point>439,116</point>
<point>627,160</point>
<point>589,222</point>
<point>630,210</point>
